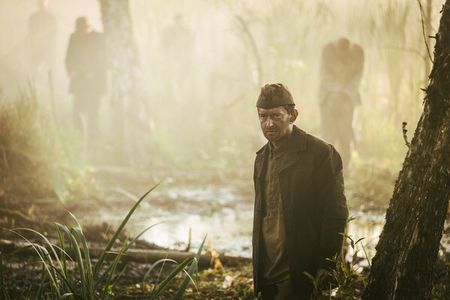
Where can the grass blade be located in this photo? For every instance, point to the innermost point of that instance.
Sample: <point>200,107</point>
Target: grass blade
<point>89,277</point>
<point>112,268</point>
<point>192,269</point>
<point>42,255</point>
<point>163,285</point>
<point>158,262</point>
<point>119,230</point>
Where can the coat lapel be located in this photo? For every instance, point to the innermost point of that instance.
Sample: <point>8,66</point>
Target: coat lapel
<point>261,157</point>
<point>297,144</point>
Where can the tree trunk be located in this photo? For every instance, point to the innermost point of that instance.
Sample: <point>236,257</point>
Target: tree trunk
<point>406,253</point>
<point>123,57</point>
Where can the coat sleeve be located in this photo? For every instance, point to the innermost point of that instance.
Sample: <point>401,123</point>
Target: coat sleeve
<point>329,186</point>
<point>70,60</point>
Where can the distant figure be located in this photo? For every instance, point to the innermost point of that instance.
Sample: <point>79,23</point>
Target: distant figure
<point>341,71</point>
<point>42,32</point>
<point>178,45</point>
<point>87,70</point>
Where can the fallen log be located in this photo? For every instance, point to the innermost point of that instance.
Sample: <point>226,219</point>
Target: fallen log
<point>144,256</point>
<point>17,215</point>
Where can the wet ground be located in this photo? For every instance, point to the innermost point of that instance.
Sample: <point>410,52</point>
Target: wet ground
<point>222,211</point>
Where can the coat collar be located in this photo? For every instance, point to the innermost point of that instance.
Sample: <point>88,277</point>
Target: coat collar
<point>297,143</point>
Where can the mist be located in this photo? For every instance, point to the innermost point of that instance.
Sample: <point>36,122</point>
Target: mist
<point>104,99</point>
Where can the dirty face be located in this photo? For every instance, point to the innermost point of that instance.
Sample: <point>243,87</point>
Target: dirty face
<point>81,25</point>
<point>276,122</point>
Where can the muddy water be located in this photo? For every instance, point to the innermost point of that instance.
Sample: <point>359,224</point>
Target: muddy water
<point>224,213</point>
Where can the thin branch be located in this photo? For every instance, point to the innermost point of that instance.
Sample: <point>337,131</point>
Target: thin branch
<point>405,49</point>
<point>423,31</point>
<point>253,45</point>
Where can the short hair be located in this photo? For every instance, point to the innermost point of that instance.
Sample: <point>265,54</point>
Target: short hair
<point>289,108</point>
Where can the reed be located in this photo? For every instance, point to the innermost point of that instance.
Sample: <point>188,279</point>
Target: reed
<point>71,273</point>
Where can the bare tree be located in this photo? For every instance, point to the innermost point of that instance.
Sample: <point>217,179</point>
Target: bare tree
<point>123,57</point>
<point>406,253</point>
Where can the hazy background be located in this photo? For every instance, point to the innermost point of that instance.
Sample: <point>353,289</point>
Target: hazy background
<point>194,110</point>
<point>212,104</point>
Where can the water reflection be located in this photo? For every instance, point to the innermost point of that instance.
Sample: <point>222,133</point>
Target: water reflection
<point>223,213</point>
<point>367,227</point>
<point>219,212</point>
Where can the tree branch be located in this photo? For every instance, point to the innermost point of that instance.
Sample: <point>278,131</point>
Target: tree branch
<point>423,31</point>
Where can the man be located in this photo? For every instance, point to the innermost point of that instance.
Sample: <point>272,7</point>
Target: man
<point>41,38</point>
<point>340,74</point>
<point>86,66</point>
<point>300,207</point>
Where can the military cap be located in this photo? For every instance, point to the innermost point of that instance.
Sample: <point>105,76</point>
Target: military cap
<point>274,95</point>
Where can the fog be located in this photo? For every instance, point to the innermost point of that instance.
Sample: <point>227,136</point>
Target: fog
<point>173,87</point>
<point>200,66</point>
<point>102,100</point>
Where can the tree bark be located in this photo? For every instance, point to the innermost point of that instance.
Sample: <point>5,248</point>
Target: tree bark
<point>406,253</point>
<point>124,69</point>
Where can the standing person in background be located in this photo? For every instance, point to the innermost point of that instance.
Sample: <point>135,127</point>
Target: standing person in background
<point>41,38</point>
<point>86,66</point>
<point>340,77</point>
<point>300,207</point>
<point>178,47</point>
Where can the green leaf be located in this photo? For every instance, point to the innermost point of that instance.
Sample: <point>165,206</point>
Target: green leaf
<point>193,268</point>
<point>119,230</point>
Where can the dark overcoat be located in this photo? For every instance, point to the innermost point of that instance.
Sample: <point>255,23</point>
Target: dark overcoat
<point>313,205</point>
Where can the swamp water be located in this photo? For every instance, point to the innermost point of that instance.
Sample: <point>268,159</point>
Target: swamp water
<point>222,212</point>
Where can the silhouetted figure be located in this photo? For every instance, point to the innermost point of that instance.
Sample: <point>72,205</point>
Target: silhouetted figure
<point>42,31</point>
<point>178,45</point>
<point>341,71</point>
<point>87,70</point>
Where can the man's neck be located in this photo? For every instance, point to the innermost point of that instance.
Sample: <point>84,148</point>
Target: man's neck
<point>276,144</point>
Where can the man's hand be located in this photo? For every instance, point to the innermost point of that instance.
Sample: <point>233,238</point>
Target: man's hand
<point>324,279</point>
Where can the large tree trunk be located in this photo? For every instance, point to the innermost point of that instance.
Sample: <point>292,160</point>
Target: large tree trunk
<point>124,67</point>
<point>407,251</point>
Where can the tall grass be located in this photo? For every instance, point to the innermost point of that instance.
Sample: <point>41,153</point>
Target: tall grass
<point>39,158</point>
<point>72,273</point>
<point>23,165</point>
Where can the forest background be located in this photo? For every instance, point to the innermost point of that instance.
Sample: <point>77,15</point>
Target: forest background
<point>196,126</point>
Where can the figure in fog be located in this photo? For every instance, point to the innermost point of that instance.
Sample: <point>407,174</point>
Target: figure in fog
<point>87,69</point>
<point>41,38</point>
<point>340,77</point>
<point>178,45</point>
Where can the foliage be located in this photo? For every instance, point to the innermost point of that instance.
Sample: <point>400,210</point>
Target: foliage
<point>348,279</point>
<point>369,187</point>
<point>70,272</point>
<point>376,162</point>
<point>23,168</point>
<point>39,157</point>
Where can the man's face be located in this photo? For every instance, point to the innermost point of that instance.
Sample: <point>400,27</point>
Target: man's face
<point>82,25</point>
<point>276,122</point>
